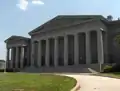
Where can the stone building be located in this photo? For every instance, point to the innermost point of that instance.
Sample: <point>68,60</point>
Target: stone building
<point>66,41</point>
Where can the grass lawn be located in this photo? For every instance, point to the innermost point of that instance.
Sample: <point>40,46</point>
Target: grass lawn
<point>35,82</point>
<point>113,75</point>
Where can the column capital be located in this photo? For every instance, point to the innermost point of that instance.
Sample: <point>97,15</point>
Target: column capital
<point>76,34</point>
<point>66,36</point>
<point>7,48</point>
<point>56,37</point>
<point>87,32</point>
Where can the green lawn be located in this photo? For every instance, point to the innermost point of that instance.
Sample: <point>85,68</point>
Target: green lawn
<point>113,75</point>
<point>35,82</point>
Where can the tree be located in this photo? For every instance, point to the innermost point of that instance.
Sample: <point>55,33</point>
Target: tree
<point>117,38</point>
<point>109,17</point>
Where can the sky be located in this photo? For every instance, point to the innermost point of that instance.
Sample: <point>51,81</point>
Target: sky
<point>18,17</point>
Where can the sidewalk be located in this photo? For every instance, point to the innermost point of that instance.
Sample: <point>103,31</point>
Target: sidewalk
<point>96,83</point>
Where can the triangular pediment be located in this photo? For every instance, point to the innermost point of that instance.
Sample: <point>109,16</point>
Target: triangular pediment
<point>14,37</point>
<point>63,20</point>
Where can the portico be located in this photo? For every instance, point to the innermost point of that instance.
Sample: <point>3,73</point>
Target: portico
<point>70,49</point>
<point>17,52</point>
<point>61,42</point>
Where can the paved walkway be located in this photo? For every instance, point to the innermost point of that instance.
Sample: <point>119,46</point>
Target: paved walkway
<point>96,83</point>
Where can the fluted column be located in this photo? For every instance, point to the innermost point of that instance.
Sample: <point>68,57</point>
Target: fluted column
<point>56,52</point>
<point>12,57</point>
<point>28,55</point>
<point>88,56</point>
<point>39,53</point>
<point>16,58</point>
<point>32,53</point>
<point>100,47</point>
<point>47,52</point>
<point>65,50</point>
<point>7,58</point>
<point>22,57</point>
<point>76,49</point>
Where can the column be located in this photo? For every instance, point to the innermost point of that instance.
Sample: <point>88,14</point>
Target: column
<point>88,56</point>
<point>65,50</point>
<point>7,58</point>
<point>76,49</point>
<point>39,53</point>
<point>47,52</point>
<point>12,57</point>
<point>22,57</point>
<point>17,56</point>
<point>32,54</point>
<point>56,52</point>
<point>28,55</point>
<point>100,47</point>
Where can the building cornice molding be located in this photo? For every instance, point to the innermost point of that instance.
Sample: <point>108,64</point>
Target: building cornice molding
<point>65,26</point>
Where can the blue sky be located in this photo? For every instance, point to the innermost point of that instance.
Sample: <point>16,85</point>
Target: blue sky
<point>18,17</point>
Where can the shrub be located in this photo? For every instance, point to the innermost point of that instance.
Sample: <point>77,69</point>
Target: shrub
<point>116,68</point>
<point>1,70</point>
<point>9,70</point>
<point>12,70</point>
<point>107,68</point>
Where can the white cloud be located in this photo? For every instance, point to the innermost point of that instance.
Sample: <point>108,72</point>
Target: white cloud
<point>37,2</point>
<point>23,4</point>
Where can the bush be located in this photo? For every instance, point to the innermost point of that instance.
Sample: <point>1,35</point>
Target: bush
<point>12,70</point>
<point>107,68</point>
<point>116,68</point>
<point>9,70</point>
<point>1,70</point>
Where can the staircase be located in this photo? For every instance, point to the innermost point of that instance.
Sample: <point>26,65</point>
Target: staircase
<point>82,68</point>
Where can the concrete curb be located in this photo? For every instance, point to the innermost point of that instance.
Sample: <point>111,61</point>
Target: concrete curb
<point>77,86</point>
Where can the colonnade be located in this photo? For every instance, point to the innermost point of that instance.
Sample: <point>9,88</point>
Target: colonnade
<point>15,57</point>
<point>38,59</point>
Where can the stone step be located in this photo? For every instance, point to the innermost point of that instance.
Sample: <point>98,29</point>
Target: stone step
<point>66,69</point>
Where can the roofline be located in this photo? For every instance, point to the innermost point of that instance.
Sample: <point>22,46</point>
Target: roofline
<point>31,32</point>
<point>69,25</point>
<point>17,36</point>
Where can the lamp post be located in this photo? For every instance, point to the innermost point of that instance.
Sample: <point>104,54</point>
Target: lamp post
<point>101,49</point>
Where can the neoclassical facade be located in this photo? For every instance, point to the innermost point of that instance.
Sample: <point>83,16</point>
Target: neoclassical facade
<point>66,40</point>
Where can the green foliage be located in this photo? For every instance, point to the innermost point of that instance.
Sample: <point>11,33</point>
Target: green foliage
<point>1,70</point>
<point>117,38</point>
<point>116,68</point>
<point>107,68</point>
